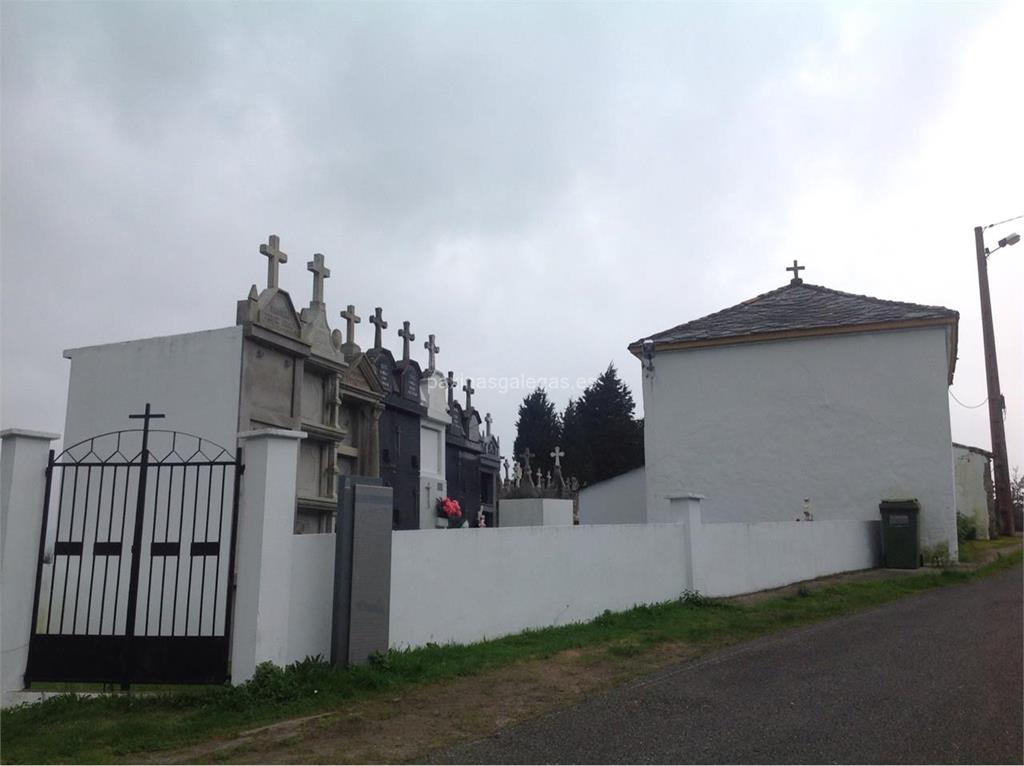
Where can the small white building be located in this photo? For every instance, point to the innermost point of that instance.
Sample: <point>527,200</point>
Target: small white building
<point>803,402</point>
<point>972,467</point>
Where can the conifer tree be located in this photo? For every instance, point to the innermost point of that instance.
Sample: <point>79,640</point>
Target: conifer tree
<point>613,437</point>
<point>539,428</point>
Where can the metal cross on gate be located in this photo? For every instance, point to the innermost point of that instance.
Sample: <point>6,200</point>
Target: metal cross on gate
<point>796,269</point>
<point>320,273</point>
<point>275,257</point>
<point>377,320</point>
<point>351,320</point>
<point>406,337</point>
<point>433,350</point>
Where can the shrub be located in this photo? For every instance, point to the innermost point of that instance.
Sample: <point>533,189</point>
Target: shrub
<point>966,528</point>
<point>695,598</point>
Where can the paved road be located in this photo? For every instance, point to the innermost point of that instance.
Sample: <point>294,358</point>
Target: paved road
<point>936,678</point>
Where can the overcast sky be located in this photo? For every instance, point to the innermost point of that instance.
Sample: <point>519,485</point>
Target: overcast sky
<point>536,184</point>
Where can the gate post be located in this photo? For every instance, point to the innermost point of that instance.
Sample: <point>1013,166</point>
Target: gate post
<point>263,555</point>
<point>23,468</point>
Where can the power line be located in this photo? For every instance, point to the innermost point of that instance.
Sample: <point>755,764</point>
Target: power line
<point>1000,223</point>
<point>968,406</point>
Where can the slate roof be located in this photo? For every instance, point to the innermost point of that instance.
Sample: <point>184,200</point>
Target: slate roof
<point>800,309</point>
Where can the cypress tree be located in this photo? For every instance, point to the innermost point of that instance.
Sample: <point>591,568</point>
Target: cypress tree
<point>539,428</point>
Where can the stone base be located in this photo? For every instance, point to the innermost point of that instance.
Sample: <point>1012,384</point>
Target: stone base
<point>535,512</point>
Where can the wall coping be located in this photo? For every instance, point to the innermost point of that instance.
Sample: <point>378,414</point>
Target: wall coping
<point>26,433</point>
<point>273,433</point>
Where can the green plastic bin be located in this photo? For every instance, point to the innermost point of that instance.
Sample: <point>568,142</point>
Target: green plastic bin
<point>901,541</point>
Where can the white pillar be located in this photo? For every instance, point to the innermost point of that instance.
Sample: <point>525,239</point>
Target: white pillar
<point>23,461</point>
<point>685,509</point>
<point>266,522</point>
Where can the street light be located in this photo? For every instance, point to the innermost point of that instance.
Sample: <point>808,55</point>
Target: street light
<point>996,403</point>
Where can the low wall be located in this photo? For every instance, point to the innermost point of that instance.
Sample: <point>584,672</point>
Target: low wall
<point>312,597</point>
<point>526,577</point>
<point>619,500</point>
<point>742,558</point>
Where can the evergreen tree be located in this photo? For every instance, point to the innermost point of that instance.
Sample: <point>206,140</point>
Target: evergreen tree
<point>577,461</point>
<point>539,428</point>
<point>613,437</point>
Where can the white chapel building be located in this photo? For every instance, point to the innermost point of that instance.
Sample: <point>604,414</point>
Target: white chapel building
<point>803,402</point>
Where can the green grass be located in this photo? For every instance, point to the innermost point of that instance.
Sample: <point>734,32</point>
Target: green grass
<point>110,728</point>
<point>971,550</point>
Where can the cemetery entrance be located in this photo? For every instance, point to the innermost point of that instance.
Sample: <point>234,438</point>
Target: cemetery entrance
<point>134,581</point>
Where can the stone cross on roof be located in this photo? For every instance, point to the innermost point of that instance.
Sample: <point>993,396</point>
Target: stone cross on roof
<point>488,420</point>
<point>432,349</point>
<point>406,337</point>
<point>377,320</point>
<point>275,256</point>
<point>351,320</point>
<point>558,454</point>
<point>450,383</point>
<point>796,273</point>
<point>320,273</point>
<point>468,388</point>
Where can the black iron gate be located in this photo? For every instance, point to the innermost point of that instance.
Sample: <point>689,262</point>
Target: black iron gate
<point>136,560</point>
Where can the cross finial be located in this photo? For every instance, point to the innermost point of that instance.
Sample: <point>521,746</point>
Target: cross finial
<point>146,416</point>
<point>796,269</point>
<point>377,320</point>
<point>526,459</point>
<point>488,420</point>
<point>432,349</point>
<point>468,388</point>
<point>406,337</point>
<point>558,454</point>
<point>351,320</point>
<point>450,383</point>
<point>275,256</point>
<point>320,273</point>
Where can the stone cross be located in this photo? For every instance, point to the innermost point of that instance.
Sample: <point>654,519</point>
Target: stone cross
<point>526,458</point>
<point>558,454</point>
<point>540,478</point>
<point>432,349</point>
<point>275,256</point>
<point>406,337</point>
<point>377,320</point>
<point>468,388</point>
<point>351,320</point>
<point>796,273</point>
<point>488,420</point>
<point>450,384</point>
<point>505,465</point>
<point>320,273</point>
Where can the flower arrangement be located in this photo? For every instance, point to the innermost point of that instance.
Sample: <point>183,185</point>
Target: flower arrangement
<point>448,508</point>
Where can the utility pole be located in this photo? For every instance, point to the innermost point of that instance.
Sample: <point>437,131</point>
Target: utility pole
<point>996,405</point>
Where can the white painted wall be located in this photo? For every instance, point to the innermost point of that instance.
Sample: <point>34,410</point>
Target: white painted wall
<point>621,499</point>
<point>742,558</point>
<point>844,421</point>
<point>526,577</point>
<point>193,378</point>
<point>970,469</point>
<point>535,512</point>
<point>312,597</point>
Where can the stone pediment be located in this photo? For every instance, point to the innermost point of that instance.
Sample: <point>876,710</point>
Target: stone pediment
<point>361,376</point>
<point>272,309</point>
<point>433,394</point>
<point>457,426</point>
<point>323,341</point>
<point>473,425</point>
<point>407,380</point>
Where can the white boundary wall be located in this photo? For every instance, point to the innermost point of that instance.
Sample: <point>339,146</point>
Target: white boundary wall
<point>312,597</point>
<point>621,499</point>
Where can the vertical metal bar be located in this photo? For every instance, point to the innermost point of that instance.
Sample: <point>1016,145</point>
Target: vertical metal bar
<point>124,550</point>
<point>220,549</point>
<point>149,578</point>
<point>95,539</point>
<point>81,557</point>
<point>133,578</point>
<point>67,559</point>
<point>106,559</point>
<point>53,578</point>
<point>177,563</point>
<point>39,562</point>
<point>188,593</point>
<point>206,539</point>
<point>163,567</point>
<point>230,595</point>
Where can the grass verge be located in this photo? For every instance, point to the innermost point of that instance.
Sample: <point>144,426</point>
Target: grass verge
<point>112,728</point>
